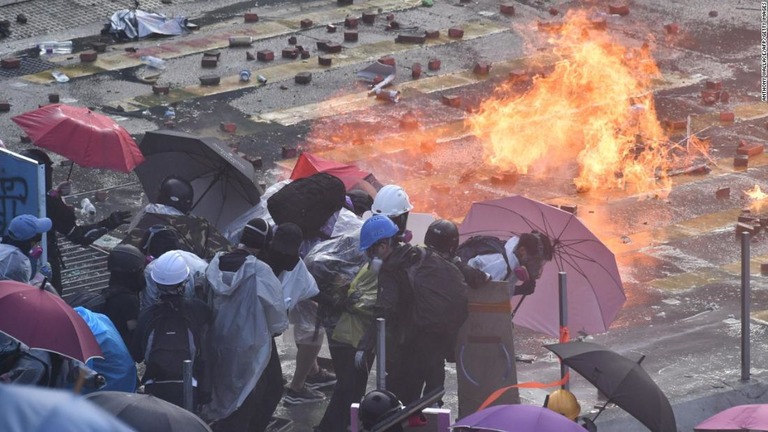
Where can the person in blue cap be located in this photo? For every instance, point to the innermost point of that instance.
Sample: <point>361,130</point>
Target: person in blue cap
<point>23,233</point>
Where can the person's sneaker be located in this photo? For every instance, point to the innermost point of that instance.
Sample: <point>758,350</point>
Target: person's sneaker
<point>305,395</point>
<point>321,379</point>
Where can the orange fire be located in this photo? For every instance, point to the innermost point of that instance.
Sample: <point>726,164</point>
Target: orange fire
<point>595,109</point>
<point>758,198</point>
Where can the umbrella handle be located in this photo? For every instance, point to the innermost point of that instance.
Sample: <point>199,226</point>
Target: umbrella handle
<point>600,410</point>
<point>460,362</point>
<point>518,306</point>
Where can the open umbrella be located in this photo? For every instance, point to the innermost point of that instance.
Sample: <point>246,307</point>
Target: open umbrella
<point>517,418</point>
<point>308,164</point>
<point>595,292</point>
<point>222,181</point>
<point>741,417</point>
<point>44,321</point>
<point>86,138</point>
<point>27,408</point>
<point>146,413</point>
<point>623,381</point>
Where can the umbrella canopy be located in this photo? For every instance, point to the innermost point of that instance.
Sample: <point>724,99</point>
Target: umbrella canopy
<point>82,136</point>
<point>146,413</point>
<point>622,380</point>
<point>308,164</point>
<point>517,418</point>
<point>742,417</point>
<point>595,292</point>
<point>34,409</point>
<point>44,321</point>
<point>222,181</point>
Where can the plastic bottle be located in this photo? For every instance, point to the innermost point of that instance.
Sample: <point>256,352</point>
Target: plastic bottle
<point>170,113</point>
<point>55,47</point>
<point>153,62</point>
<point>245,75</point>
<point>87,207</point>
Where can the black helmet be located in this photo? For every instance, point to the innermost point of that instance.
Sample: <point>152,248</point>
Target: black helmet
<point>42,159</point>
<point>177,193</point>
<point>125,258</point>
<point>377,405</point>
<point>443,236</point>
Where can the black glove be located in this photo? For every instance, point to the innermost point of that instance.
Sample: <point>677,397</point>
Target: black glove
<point>116,219</point>
<point>526,288</point>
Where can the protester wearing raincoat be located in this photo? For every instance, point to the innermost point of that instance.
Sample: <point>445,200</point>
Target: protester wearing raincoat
<point>249,308</point>
<point>194,287</point>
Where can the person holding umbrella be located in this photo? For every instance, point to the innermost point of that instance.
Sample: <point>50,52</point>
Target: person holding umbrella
<point>65,221</point>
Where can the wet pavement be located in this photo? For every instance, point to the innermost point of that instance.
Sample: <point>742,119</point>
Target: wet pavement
<point>677,250</point>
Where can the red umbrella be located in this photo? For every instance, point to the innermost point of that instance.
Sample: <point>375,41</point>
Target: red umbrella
<point>44,321</point>
<point>82,136</point>
<point>309,164</point>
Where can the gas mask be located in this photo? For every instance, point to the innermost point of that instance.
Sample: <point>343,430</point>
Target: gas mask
<point>375,265</point>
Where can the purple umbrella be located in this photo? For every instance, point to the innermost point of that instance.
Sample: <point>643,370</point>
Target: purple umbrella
<point>742,417</point>
<point>517,418</point>
<point>595,292</point>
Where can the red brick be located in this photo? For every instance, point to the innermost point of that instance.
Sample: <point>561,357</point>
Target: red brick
<point>88,56</point>
<point>288,152</point>
<point>322,45</point>
<point>387,60</point>
<point>507,9</point>
<point>265,56</point>
<point>750,149</point>
<point>672,28</point>
<point>350,22</point>
<point>292,40</point>
<point>598,23</point>
<point>209,62</point>
<point>411,38</point>
<point>390,17</point>
<point>713,85</point>
<point>305,54</point>
<point>324,60</point>
<point>570,208</point>
<point>393,25</point>
<point>741,161</point>
<point>451,100</point>
<point>303,78</point>
<point>455,33</point>
<point>723,193</point>
<point>713,14</point>
<point>25,139</point>
<point>518,75</point>
<point>344,2</point>
<point>306,23</point>
<point>249,56</point>
<point>53,98</point>
<point>159,89</point>
<point>330,28</point>
<point>409,121</point>
<point>416,70</point>
<point>228,127</point>
<point>251,17</point>
<point>482,68</point>
<point>210,80</point>
<point>5,106</point>
<point>434,64</point>
<point>99,47</point>
<point>333,48</point>
<point>553,11</point>
<point>369,17</point>
<point>350,36</point>
<point>549,26</point>
<point>727,116</point>
<point>724,97</point>
<point>290,53</point>
<point>622,10</point>
<point>432,34</point>
<point>709,97</point>
<point>677,124</point>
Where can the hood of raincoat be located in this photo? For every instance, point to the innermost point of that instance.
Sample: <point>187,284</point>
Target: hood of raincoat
<point>13,264</point>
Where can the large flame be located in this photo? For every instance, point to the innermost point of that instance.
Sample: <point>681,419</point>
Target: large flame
<point>595,108</point>
<point>758,199</point>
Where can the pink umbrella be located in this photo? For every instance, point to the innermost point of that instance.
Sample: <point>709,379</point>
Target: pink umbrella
<point>595,292</point>
<point>742,417</point>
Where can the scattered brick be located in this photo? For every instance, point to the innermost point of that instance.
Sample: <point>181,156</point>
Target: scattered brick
<point>303,78</point>
<point>209,62</point>
<point>570,208</point>
<point>99,47</point>
<point>416,70</point>
<point>455,33</point>
<point>746,219</point>
<point>265,56</point>
<point>393,25</point>
<point>517,75</point>
<point>10,63</point>
<point>750,149</point>
<point>322,45</point>
<point>727,116</point>
<point>228,127</point>
<point>289,152</point>
<point>723,193</point>
<point>713,85</point>
<point>724,97</point>
<point>251,17</point>
<point>88,56</point>
<point>249,56</point>
<point>25,139</point>
<point>501,179</point>
<point>161,89</point>
<point>210,80</point>
<point>549,26</point>
<point>333,48</point>
<point>553,11</point>
<point>390,17</point>
<point>482,68</point>
<point>387,60</point>
<point>369,17</point>
<point>749,228</point>
<point>100,195</point>
<point>330,28</point>
<point>598,23</point>
<point>21,19</point>
<point>53,97</point>
<point>306,23</point>
<point>350,22</point>
<point>434,64</point>
<point>713,14</point>
<point>292,40</point>
<point>432,34</point>
<point>741,161</point>
<point>324,60</point>
<point>672,28</point>
<point>451,100</point>
<point>344,2</point>
<point>350,36</point>
<point>305,54</point>
<point>5,106</point>
<point>411,38</point>
<point>507,9</point>
<point>409,121</point>
<point>621,10</point>
<point>763,266</point>
<point>677,124</point>
<point>290,53</point>
<point>709,97</point>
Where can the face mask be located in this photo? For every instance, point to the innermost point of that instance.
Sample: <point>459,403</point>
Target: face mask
<point>375,265</point>
<point>521,274</point>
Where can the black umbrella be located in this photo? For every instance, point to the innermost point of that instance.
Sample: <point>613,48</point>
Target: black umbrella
<point>223,182</point>
<point>146,413</point>
<point>622,380</point>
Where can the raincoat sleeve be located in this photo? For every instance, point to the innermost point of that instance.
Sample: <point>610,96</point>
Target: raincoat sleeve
<point>272,298</point>
<point>298,284</point>
<point>14,265</point>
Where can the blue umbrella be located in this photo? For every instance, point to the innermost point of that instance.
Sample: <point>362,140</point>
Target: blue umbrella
<point>35,409</point>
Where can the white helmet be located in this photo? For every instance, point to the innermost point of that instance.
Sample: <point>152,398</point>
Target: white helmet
<point>391,200</point>
<point>170,269</point>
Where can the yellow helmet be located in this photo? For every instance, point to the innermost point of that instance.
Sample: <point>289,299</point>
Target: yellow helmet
<point>563,402</point>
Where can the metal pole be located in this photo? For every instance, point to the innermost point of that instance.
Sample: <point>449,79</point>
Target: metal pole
<point>187,386</point>
<point>381,355</point>
<point>745,300</point>
<point>563,304</point>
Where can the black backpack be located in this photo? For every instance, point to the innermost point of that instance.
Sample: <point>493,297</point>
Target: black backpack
<point>483,245</point>
<point>439,293</point>
<point>170,341</point>
<point>308,202</point>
